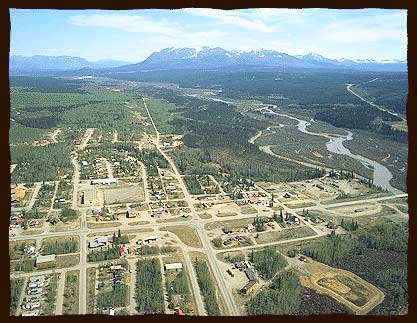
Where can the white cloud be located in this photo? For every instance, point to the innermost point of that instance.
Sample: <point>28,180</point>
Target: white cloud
<point>358,33</point>
<point>369,29</point>
<point>273,13</point>
<point>129,23</point>
<point>232,17</point>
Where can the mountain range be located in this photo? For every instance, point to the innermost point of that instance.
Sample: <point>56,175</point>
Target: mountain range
<point>203,59</point>
<point>57,63</point>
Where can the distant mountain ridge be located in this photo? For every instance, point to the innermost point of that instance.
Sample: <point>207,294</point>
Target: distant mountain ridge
<point>190,58</point>
<point>205,58</point>
<point>57,63</point>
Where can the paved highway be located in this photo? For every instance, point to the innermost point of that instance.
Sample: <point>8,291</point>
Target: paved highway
<point>349,88</point>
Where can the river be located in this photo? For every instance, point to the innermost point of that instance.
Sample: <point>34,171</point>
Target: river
<point>381,174</point>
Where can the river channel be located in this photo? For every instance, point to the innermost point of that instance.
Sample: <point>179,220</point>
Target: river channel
<point>381,174</point>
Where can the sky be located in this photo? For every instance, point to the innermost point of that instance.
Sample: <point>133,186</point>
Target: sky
<point>132,35</point>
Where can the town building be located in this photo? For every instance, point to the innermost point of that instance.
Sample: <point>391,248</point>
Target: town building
<point>249,287</point>
<point>170,187</point>
<point>132,213</point>
<point>173,266</point>
<point>108,311</point>
<point>250,274</point>
<point>104,181</point>
<point>98,242</point>
<point>253,200</point>
<point>45,261</point>
<point>36,279</point>
<point>123,250</point>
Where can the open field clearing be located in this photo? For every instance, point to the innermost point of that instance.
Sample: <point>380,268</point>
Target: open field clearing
<point>127,194</point>
<point>101,225</point>
<point>232,224</point>
<point>300,204</point>
<point>205,215</point>
<point>285,234</point>
<point>64,261</point>
<point>186,234</point>
<point>357,209</point>
<point>138,223</point>
<point>248,209</point>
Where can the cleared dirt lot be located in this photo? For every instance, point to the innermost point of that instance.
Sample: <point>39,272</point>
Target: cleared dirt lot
<point>357,209</point>
<point>344,286</point>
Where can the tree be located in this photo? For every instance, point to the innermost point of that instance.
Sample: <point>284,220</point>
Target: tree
<point>267,261</point>
<point>217,242</point>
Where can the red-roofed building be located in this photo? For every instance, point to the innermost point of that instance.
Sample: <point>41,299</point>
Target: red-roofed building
<point>122,250</point>
<point>179,311</point>
<point>253,200</point>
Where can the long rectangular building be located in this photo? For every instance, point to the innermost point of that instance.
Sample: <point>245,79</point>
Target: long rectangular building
<point>104,181</point>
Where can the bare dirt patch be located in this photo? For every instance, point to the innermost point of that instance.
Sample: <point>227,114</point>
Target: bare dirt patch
<point>342,285</point>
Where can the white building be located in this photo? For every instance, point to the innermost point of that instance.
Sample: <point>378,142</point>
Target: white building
<point>173,266</point>
<point>104,181</point>
<point>45,259</point>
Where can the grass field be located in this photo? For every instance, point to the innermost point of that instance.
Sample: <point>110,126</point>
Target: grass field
<point>125,194</point>
<point>205,215</point>
<point>286,234</point>
<point>299,204</point>
<point>174,219</point>
<point>102,225</point>
<point>248,209</point>
<point>138,223</point>
<point>225,214</point>
<point>186,234</point>
<point>65,261</point>
<point>232,224</point>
